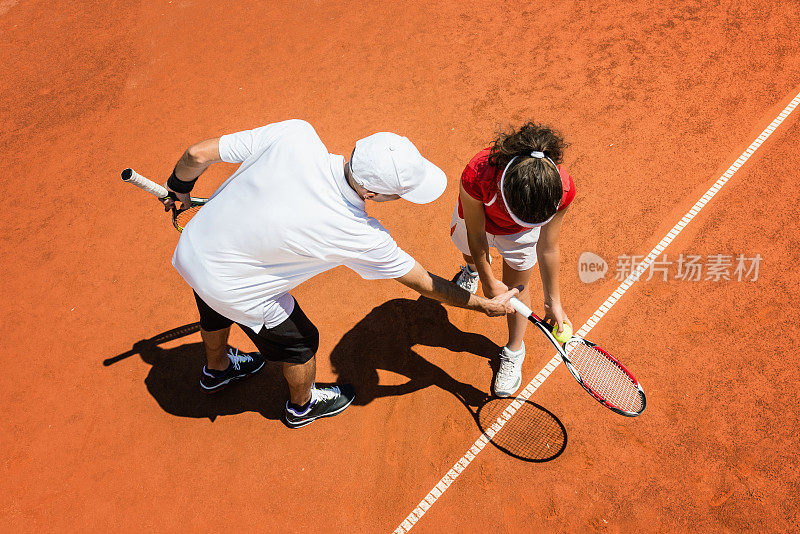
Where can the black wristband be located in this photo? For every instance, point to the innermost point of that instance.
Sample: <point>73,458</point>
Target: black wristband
<point>178,185</point>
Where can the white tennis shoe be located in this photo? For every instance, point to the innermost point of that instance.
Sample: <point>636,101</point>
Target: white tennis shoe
<point>467,279</point>
<point>509,375</point>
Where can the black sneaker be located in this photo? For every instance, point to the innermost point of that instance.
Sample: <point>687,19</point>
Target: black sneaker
<point>243,364</point>
<point>325,402</point>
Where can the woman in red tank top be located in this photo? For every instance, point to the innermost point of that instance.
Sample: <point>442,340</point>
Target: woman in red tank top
<point>513,197</point>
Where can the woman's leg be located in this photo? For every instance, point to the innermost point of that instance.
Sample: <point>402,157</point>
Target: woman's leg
<point>516,322</point>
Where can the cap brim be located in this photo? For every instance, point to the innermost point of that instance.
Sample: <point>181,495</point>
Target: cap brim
<point>431,188</point>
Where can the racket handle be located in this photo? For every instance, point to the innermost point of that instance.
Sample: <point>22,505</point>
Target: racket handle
<point>133,177</point>
<point>520,307</point>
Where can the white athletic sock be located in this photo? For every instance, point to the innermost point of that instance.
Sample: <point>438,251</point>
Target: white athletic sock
<point>515,353</point>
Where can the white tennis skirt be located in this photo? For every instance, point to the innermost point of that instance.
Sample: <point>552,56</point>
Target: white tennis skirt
<point>518,250</point>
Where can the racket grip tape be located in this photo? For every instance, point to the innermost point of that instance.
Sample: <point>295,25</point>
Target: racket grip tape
<point>520,307</point>
<point>133,177</point>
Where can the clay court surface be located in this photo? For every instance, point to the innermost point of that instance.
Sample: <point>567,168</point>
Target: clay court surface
<point>105,431</point>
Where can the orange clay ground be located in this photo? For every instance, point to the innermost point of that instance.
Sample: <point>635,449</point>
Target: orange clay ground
<point>656,102</point>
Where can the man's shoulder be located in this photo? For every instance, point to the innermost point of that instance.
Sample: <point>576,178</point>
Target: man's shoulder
<point>292,128</point>
<point>298,125</point>
<point>301,134</point>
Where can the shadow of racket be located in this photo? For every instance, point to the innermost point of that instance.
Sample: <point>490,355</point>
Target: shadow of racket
<point>522,429</point>
<point>163,337</point>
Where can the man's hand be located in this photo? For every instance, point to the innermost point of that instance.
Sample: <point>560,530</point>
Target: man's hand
<point>169,202</point>
<point>193,162</point>
<point>494,288</point>
<point>499,305</point>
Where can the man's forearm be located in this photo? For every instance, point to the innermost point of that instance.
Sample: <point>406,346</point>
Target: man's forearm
<point>437,288</point>
<point>449,293</point>
<point>189,166</point>
<point>196,159</point>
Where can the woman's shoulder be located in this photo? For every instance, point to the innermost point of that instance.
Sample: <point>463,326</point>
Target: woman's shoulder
<point>481,159</point>
<point>567,186</point>
<point>480,167</point>
<point>479,178</point>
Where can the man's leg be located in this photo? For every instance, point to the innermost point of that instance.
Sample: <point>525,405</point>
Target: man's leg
<point>216,343</point>
<point>300,377</point>
<point>222,366</point>
<point>295,342</point>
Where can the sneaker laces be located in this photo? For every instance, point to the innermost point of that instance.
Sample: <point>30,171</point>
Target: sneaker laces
<point>237,358</point>
<point>507,370</point>
<point>329,393</point>
<point>467,280</point>
<point>467,274</point>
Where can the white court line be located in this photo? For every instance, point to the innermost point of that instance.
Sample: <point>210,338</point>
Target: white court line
<point>447,480</point>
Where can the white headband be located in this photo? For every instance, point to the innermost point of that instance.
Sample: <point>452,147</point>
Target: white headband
<point>535,154</point>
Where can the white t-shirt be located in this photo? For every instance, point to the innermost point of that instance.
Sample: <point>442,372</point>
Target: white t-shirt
<point>286,215</point>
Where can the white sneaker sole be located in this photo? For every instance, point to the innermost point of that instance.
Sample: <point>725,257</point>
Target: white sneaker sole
<point>509,392</point>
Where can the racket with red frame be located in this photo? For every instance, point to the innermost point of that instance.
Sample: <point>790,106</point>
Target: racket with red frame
<point>600,373</point>
<point>180,217</point>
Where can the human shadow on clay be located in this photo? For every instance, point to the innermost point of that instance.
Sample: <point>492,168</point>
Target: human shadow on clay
<point>174,381</point>
<point>385,339</point>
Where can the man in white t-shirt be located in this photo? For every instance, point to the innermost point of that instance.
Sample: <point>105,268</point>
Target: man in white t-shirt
<point>290,212</point>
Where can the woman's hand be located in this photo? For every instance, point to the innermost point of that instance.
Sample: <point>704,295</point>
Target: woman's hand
<point>554,314</point>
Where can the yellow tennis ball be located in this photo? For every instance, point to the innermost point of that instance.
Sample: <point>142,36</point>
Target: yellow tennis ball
<point>565,336</point>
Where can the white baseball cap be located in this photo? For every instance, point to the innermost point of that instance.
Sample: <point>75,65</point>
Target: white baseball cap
<point>390,164</point>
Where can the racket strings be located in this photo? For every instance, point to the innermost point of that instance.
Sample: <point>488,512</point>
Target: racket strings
<point>182,217</point>
<point>606,378</point>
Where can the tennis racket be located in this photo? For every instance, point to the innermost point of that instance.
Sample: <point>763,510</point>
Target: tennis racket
<point>601,374</point>
<point>180,217</point>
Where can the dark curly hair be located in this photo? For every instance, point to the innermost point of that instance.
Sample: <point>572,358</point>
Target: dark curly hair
<point>532,186</point>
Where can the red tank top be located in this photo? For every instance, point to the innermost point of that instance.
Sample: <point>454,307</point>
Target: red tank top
<point>482,182</point>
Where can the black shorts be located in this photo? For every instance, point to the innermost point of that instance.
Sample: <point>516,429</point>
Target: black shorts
<point>295,340</point>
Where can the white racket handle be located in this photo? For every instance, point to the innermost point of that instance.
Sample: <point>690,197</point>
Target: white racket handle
<point>133,177</point>
<point>520,307</point>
